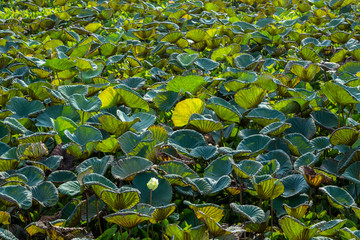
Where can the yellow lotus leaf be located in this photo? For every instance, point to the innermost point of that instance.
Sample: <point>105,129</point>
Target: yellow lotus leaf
<point>184,109</point>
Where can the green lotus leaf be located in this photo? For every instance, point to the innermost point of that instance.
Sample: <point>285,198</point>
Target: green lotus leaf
<point>290,105</point>
<point>172,37</point>
<point>197,35</point>
<point>270,167</point>
<point>213,226</point>
<point>199,185</point>
<point>108,145</point>
<point>85,64</point>
<point>71,188</point>
<point>356,211</point>
<point>205,152</point>
<point>36,137</point>
<point>186,59</point>
<point>98,183</point>
<point>95,206</point>
<point>107,49</point>
<point>61,176</point>
<point>351,156</point>
<point>51,163</point>
<point>337,94</point>
<point>4,218</point>
<point>321,143</point>
<point>275,129</point>
<point>160,196</point>
<point>89,74</point>
<point>62,124</point>
<point>249,97</point>
<point>16,195</point>
<point>14,179</point>
<point>115,126</point>
<point>308,54</point>
<point>4,113</point>
<point>344,136</point>
<point>68,90</point>
<point>247,168</point>
<point>98,165</point>
<point>72,212</point>
<point>80,102</point>
<point>298,144</point>
<point>33,174</point>
<point>188,139</point>
<point>15,125</point>
<point>340,37</point>
<point>162,212</point>
<point>166,100</point>
<point>4,133</point>
<point>294,185</point>
<point>218,168</point>
<point>245,61</point>
<point>178,168</point>
<point>122,198</point>
<point>44,118</point>
<point>203,124</point>
<point>146,120</point>
<point>23,108</point>
<point>129,98</point>
<point>244,79</point>
<point>298,211</point>
<point>338,197</point>
<point>268,188</point>
<point>45,194</point>
<point>218,184</point>
<point>206,64</point>
<point>196,233</point>
<point>264,116</point>
<point>330,228</point>
<point>223,109</point>
<point>304,126</point>
<point>59,64</point>
<point>4,148</point>
<point>211,210</point>
<point>144,34</point>
<point>189,83</point>
<point>256,144</point>
<point>307,159</point>
<point>7,235</point>
<point>33,151</point>
<point>127,219</point>
<point>251,212</point>
<point>128,168</point>
<point>129,140</point>
<point>83,135</point>
<point>346,233</point>
<point>352,173</point>
<point>109,97</point>
<point>296,230</point>
<point>305,74</point>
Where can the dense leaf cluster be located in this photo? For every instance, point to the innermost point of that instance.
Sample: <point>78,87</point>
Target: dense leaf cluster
<point>246,112</point>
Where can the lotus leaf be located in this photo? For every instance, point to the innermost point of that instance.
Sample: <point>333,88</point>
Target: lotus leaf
<point>338,197</point>
<point>160,196</point>
<point>268,188</point>
<point>127,168</point>
<point>16,195</point>
<point>293,185</point>
<point>251,212</point>
<point>184,109</point>
<point>128,219</point>
<point>121,198</point>
<point>296,230</point>
<point>298,211</point>
<point>199,232</point>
